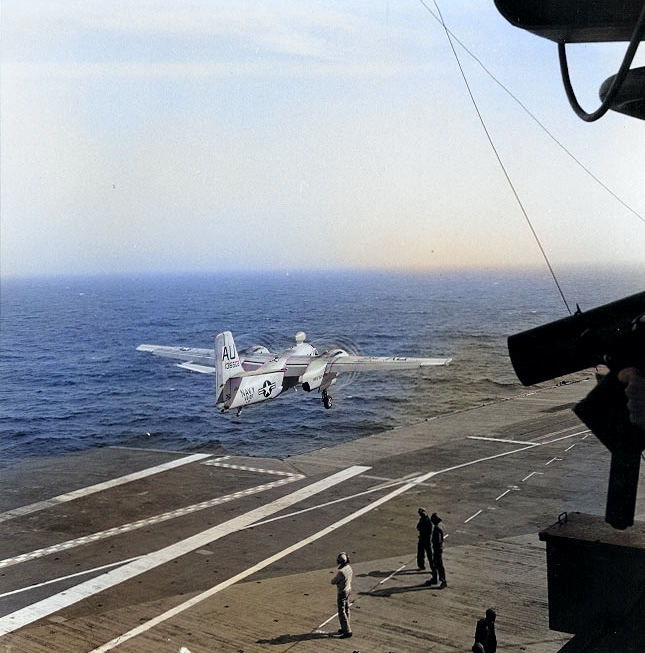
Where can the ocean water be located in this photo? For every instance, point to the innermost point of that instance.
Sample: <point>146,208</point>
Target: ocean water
<point>71,378</point>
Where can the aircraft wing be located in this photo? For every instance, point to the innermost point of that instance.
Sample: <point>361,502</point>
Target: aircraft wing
<point>339,362</point>
<point>192,358</point>
<point>349,363</point>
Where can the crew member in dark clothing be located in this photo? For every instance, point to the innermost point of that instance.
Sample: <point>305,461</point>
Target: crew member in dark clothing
<point>438,571</point>
<point>424,545</point>
<point>485,632</point>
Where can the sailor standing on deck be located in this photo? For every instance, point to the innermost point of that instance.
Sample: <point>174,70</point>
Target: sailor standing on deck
<point>343,582</point>
<point>437,553</point>
<point>424,545</point>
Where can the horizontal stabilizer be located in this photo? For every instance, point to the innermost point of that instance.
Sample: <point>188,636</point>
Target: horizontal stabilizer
<point>270,367</point>
<point>193,367</point>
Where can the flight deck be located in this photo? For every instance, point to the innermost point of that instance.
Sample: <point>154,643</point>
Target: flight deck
<point>137,551</point>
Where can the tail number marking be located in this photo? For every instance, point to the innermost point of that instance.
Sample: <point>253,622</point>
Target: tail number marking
<point>229,355</point>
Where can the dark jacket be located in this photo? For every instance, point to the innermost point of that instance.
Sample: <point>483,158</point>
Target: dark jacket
<point>425,529</point>
<point>485,635</point>
<point>437,540</point>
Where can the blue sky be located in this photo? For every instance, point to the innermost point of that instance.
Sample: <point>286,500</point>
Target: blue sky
<point>266,134</point>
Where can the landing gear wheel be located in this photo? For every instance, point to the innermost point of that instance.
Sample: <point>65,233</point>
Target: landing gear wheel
<point>327,400</point>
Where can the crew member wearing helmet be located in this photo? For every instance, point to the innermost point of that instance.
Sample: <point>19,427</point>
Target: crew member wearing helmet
<point>343,581</point>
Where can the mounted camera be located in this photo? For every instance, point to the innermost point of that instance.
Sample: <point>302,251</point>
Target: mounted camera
<point>611,335</point>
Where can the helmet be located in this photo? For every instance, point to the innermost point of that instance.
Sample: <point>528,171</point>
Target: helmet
<point>435,519</point>
<point>422,512</point>
<point>342,558</point>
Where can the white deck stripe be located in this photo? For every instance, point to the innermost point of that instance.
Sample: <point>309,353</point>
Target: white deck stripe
<point>142,523</point>
<point>61,579</point>
<point>150,624</point>
<point>99,487</point>
<point>412,476</point>
<point>261,565</point>
<point>84,590</point>
<point>481,437</point>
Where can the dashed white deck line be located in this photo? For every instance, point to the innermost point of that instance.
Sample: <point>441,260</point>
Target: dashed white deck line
<point>38,610</point>
<point>150,561</point>
<point>526,478</point>
<point>100,487</point>
<point>504,454</point>
<point>479,512</point>
<point>245,468</point>
<point>415,476</point>
<point>511,488</point>
<point>319,629</point>
<point>261,565</point>
<point>392,575</point>
<point>142,523</point>
<point>530,445</point>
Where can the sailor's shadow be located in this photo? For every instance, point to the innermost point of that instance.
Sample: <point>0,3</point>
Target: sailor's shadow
<point>290,639</point>
<point>399,590</point>
<point>385,574</point>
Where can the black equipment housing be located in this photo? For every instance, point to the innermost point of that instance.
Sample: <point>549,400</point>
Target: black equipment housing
<point>613,335</point>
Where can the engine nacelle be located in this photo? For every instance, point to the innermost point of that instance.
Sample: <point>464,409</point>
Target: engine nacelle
<point>253,389</point>
<point>314,375</point>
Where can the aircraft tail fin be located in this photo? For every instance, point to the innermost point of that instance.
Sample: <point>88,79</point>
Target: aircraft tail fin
<point>227,365</point>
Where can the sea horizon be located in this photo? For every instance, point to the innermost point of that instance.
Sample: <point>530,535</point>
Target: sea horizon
<point>72,378</point>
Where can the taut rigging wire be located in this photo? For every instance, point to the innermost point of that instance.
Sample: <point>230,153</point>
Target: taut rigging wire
<point>499,160</point>
<point>533,116</point>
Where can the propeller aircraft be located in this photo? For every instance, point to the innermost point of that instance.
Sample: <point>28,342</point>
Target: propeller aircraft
<point>255,375</point>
